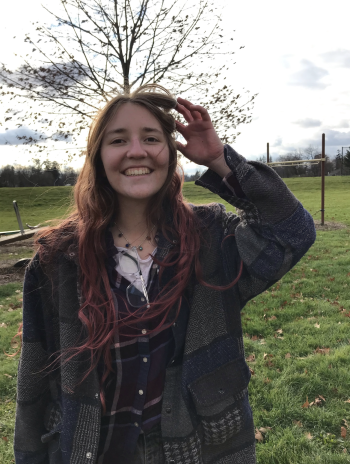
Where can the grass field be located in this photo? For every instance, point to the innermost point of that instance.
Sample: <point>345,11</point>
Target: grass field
<point>297,333</point>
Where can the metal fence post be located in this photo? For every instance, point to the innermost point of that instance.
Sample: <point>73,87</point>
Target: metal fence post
<point>18,216</point>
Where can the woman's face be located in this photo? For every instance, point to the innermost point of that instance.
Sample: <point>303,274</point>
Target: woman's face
<point>135,153</point>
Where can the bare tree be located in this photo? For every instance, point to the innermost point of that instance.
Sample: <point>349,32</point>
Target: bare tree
<point>97,48</point>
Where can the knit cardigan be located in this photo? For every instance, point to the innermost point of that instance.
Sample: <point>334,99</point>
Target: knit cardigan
<point>206,416</point>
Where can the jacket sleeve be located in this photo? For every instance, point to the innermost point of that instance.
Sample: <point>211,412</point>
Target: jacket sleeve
<point>33,383</point>
<point>273,230</point>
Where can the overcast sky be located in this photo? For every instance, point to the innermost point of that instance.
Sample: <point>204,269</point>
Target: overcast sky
<point>296,57</point>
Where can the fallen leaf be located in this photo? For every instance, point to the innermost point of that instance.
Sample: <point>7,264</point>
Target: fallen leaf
<point>258,436</point>
<point>5,438</point>
<point>322,350</point>
<point>267,380</point>
<point>287,356</point>
<point>264,429</point>
<point>252,371</point>
<point>308,435</point>
<point>306,404</point>
<point>279,331</point>
<point>268,355</point>
<point>346,424</point>
<point>272,318</point>
<point>251,358</point>
<point>343,432</point>
<point>262,342</point>
<point>3,325</point>
<point>317,325</point>
<point>254,338</point>
<point>297,423</point>
<point>347,401</point>
<point>8,375</point>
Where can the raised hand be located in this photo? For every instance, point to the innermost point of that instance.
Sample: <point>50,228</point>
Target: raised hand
<point>203,144</point>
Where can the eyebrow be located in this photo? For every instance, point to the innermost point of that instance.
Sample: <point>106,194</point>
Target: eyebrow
<point>121,130</point>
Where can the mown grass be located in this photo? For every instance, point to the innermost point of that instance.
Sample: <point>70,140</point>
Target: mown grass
<point>297,341</point>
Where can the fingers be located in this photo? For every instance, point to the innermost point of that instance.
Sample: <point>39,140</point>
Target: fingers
<point>186,108</point>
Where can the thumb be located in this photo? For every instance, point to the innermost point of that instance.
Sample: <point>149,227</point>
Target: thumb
<point>181,147</point>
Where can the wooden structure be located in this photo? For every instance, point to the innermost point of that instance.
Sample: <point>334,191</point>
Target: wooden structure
<point>321,160</point>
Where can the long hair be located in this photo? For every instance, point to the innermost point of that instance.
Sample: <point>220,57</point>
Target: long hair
<point>96,206</point>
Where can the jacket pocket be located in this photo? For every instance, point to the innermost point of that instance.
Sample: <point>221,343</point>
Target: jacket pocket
<point>52,422</point>
<point>221,401</point>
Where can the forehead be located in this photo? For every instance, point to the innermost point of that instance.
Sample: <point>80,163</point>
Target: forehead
<point>133,114</point>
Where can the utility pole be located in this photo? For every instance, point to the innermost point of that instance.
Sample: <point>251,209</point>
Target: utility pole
<point>323,157</point>
<point>268,152</point>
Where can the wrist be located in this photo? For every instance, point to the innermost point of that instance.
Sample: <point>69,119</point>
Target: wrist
<point>219,166</point>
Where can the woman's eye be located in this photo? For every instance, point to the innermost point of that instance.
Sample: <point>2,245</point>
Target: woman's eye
<point>150,139</point>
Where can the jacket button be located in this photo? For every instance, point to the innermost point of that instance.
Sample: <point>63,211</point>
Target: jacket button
<point>221,391</point>
<point>168,410</point>
<point>88,455</point>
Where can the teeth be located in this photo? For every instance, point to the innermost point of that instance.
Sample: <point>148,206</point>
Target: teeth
<point>137,172</point>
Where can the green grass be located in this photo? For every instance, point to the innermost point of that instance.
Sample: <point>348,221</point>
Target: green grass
<point>308,309</point>
<point>36,205</point>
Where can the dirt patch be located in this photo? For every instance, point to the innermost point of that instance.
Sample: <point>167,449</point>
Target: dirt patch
<point>329,225</point>
<point>9,255</point>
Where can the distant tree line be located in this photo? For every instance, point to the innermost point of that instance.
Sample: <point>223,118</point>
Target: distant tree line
<point>194,176</point>
<point>339,166</point>
<point>50,173</point>
<point>41,174</point>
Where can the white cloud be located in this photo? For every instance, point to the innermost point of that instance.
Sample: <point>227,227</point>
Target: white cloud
<point>309,76</point>
<point>339,57</point>
<point>308,122</point>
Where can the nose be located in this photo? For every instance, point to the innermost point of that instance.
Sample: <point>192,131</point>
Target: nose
<point>136,150</point>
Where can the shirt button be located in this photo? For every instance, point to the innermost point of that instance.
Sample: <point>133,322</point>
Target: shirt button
<point>136,424</point>
<point>144,331</point>
<point>144,360</point>
<point>88,455</point>
<point>140,392</point>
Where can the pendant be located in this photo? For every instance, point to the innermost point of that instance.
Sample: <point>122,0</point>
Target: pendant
<point>148,238</point>
<point>127,245</point>
<point>120,235</point>
<point>140,248</point>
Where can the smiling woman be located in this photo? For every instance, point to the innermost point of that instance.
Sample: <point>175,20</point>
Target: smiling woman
<point>132,340</point>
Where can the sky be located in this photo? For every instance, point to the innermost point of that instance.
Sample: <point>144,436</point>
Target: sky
<point>296,57</point>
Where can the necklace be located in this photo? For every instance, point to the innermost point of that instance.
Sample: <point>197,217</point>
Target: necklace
<point>128,244</point>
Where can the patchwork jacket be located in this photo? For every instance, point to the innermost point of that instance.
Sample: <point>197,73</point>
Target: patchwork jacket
<point>206,417</point>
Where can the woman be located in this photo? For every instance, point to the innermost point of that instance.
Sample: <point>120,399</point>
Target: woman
<point>132,340</point>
